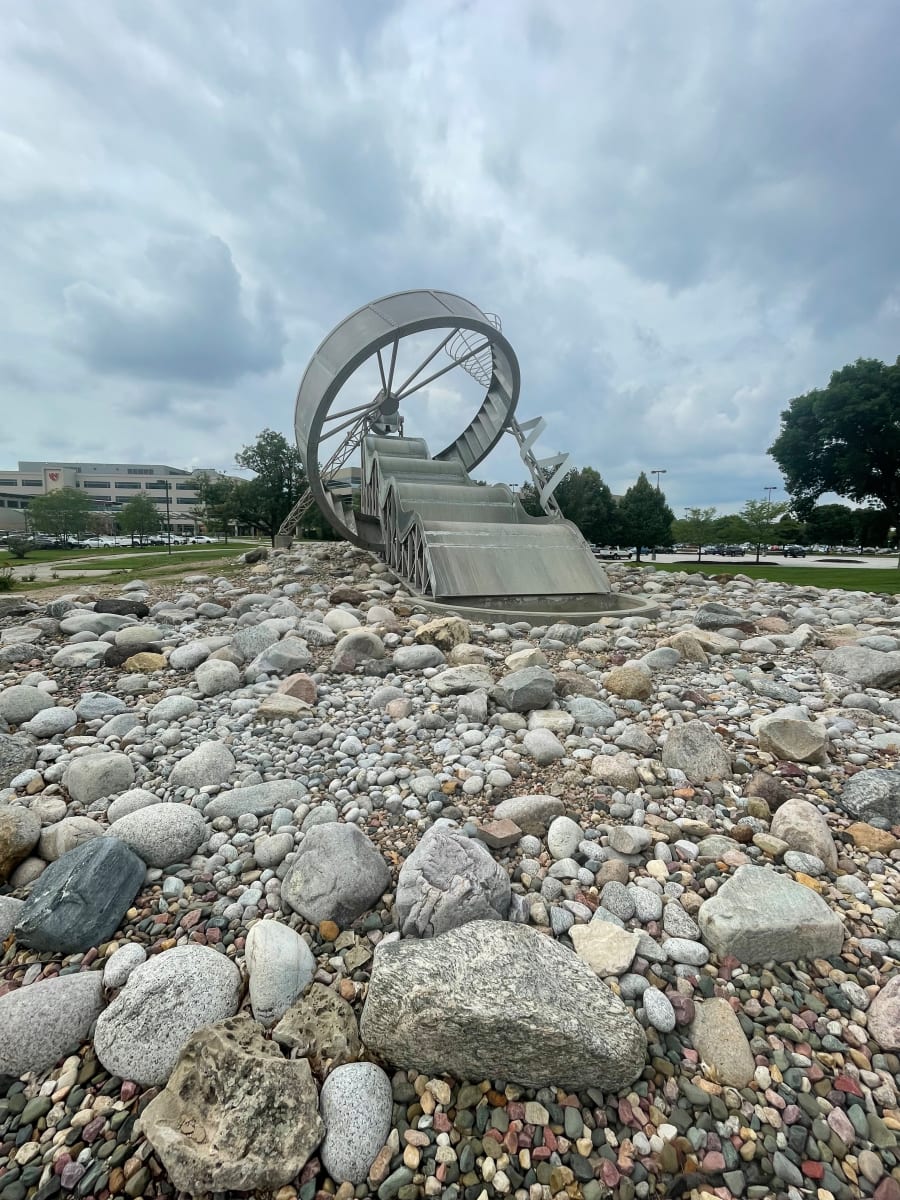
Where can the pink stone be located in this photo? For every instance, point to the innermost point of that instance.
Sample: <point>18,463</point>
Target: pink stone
<point>884,1016</point>
<point>300,686</point>
<point>713,1162</point>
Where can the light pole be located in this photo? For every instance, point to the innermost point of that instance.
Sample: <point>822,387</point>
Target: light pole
<point>769,491</point>
<point>657,471</point>
<point>168,521</point>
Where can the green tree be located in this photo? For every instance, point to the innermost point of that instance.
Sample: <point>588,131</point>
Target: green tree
<point>217,502</point>
<point>585,500</point>
<point>62,514</point>
<point>695,528</point>
<point>873,527</point>
<point>645,518</point>
<point>760,517</point>
<point>844,438</point>
<point>730,528</point>
<point>279,481</point>
<point>139,517</point>
<point>833,524</point>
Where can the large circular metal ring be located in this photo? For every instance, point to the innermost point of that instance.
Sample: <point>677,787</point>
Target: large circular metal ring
<point>376,330</point>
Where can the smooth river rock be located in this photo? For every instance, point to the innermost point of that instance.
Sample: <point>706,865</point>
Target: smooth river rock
<point>40,1023</point>
<point>758,915</point>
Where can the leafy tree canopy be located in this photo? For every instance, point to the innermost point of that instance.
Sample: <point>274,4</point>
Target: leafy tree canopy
<point>760,517</point>
<point>695,528</point>
<point>844,438</point>
<point>63,514</point>
<point>139,517</point>
<point>646,519</point>
<point>280,479</point>
<point>585,500</point>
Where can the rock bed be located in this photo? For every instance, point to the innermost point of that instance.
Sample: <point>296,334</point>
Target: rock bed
<point>700,810</point>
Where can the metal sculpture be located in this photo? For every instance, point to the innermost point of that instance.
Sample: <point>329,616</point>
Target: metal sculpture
<point>450,538</point>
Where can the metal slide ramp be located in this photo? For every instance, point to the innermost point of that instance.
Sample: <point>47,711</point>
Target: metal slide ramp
<point>454,539</point>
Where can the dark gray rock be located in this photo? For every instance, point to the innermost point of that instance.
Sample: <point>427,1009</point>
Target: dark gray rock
<point>500,1000</point>
<point>718,616</point>
<point>122,608</point>
<point>522,691</point>
<point>449,879</point>
<point>80,899</point>
<point>337,875</point>
<point>873,793</point>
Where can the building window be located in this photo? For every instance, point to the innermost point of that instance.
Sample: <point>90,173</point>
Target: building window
<point>185,487</point>
<point>120,486</point>
<point>32,483</point>
<point>185,500</point>
<point>95,483</point>
<point>158,485</point>
<point>141,471</point>
<point>7,483</point>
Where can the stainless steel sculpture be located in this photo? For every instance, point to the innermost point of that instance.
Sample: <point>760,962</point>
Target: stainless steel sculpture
<point>454,541</point>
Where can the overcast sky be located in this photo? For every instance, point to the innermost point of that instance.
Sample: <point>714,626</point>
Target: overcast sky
<point>685,214</point>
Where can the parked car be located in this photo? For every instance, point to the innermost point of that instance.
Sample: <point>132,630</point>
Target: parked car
<point>794,552</point>
<point>201,539</point>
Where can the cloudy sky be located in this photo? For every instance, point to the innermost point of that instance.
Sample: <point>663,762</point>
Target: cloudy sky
<point>685,214</point>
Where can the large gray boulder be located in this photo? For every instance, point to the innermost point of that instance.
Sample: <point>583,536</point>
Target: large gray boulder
<point>354,648</point>
<point>449,879</point>
<point>20,703</point>
<point>93,776</point>
<point>521,691</point>
<point>454,681</point>
<point>791,736</point>
<point>211,762</point>
<point>872,794</point>
<point>255,1111</point>
<point>161,834</point>
<point>698,751</point>
<point>500,1000</point>
<point>17,754</point>
<point>80,899</point>
<point>142,1032</point>
<point>286,657</point>
<point>417,658</point>
<point>718,616</point>
<point>44,1021</point>
<point>759,915</point>
<point>337,875</point>
<point>864,666</point>
<point>259,799</point>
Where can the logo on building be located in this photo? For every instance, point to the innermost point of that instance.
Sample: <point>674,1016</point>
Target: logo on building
<point>54,475</point>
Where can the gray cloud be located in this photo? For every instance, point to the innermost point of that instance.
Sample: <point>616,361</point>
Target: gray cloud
<point>684,215</point>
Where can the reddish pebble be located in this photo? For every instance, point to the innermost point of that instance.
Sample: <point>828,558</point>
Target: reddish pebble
<point>515,1110</point>
<point>494,1134</point>
<point>844,1083</point>
<point>813,1170</point>
<point>791,1114</point>
<point>71,1174</point>
<point>190,919</point>
<point>712,1162</point>
<point>609,1172</point>
<point>549,1138</point>
<point>213,936</point>
<point>310,1171</point>
<point>61,1163</point>
<point>442,1122</point>
<point>93,1129</point>
<point>541,1153</point>
<point>511,1142</point>
<point>888,1189</point>
<point>128,1091</point>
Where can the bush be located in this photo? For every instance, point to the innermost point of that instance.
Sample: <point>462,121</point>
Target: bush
<point>18,547</point>
<point>7,583</point>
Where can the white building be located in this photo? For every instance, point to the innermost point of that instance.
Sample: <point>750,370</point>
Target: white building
<point>109,485</point>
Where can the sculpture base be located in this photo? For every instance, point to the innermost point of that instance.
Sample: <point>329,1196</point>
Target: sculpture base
<point>543,610</point>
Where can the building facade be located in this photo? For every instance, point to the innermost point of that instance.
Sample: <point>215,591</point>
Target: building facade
<point>109,485</point>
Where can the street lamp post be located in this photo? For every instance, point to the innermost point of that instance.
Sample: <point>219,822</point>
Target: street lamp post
<point>769,491</point>
<point>657,471</point>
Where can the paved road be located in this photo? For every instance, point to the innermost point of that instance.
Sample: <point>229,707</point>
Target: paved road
<point>819,560</point>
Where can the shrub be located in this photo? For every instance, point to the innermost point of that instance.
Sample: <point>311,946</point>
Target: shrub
<point>7,583</point>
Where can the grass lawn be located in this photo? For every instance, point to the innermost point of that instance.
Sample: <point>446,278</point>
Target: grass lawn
<point>849,579</point>
<point>62,556</point>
